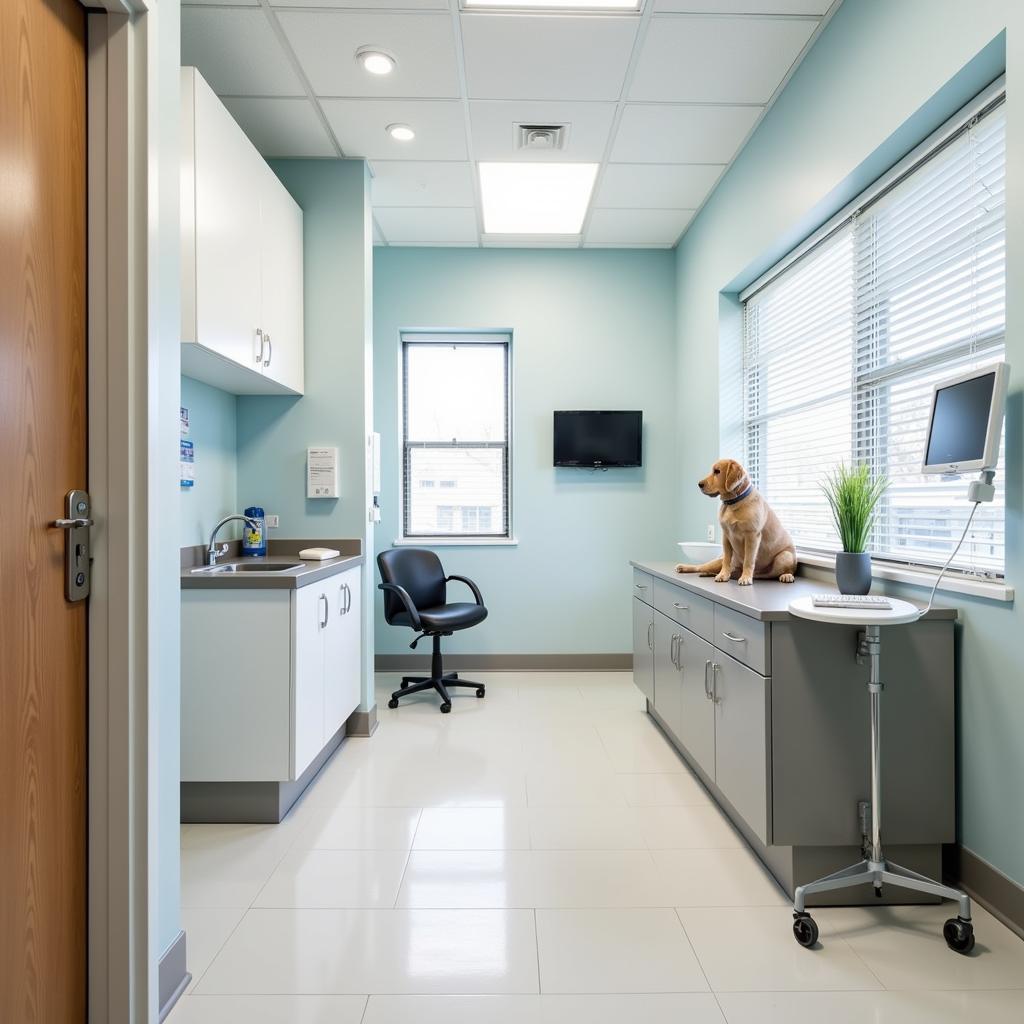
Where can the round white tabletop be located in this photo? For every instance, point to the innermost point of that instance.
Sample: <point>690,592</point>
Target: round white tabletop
<point>900,612</point>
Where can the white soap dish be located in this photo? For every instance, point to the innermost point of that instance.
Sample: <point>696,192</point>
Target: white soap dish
<point>318,554</point>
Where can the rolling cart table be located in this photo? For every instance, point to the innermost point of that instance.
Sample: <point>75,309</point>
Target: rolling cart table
<point>957,931</point>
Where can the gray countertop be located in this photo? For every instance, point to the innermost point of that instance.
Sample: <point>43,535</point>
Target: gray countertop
<point>279,552</point>
<point>766,600</point>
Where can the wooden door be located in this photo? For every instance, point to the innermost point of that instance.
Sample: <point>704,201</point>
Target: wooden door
<point>42,457</point>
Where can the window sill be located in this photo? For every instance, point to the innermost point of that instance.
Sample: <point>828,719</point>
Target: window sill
<point>991,590</point>
<point>454,542</point>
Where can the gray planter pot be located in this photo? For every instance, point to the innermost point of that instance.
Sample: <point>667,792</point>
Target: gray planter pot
<point>853,572</point>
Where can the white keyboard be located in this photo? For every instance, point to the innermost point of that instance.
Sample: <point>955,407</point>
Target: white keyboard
<point>863,601</point>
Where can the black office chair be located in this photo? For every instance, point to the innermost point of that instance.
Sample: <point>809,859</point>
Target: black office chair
<point>415,595</point>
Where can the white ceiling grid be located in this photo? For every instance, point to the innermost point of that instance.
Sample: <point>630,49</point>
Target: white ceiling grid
<point>662,99</point>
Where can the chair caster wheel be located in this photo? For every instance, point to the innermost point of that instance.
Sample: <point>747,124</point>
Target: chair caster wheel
<point>805,930</point>
<point>445,708</point>
<point>480,692</point>
<point>959,935</point>
<point>405,686</point>
<point>393,703</point>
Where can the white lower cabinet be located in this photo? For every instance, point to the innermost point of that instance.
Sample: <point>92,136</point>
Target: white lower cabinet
<point>267,677</point>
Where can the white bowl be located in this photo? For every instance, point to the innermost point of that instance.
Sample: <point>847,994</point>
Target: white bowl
<point>698,552</point>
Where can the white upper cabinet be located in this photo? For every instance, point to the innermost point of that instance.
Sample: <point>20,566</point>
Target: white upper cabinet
<point>241,256</point>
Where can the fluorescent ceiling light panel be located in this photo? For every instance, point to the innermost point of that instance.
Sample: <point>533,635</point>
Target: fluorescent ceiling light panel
<point>552,5</point>
<point>535,198</point>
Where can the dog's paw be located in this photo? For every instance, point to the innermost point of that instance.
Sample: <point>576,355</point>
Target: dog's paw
<point>745,581</point>
<point>685,568</point>
<point>787,577</point>
<point>723,577</point>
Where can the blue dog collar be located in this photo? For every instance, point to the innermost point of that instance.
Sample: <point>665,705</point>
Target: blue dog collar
<point>739,497</point>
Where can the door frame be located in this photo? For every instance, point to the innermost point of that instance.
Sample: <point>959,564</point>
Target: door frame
<point>122,161</point>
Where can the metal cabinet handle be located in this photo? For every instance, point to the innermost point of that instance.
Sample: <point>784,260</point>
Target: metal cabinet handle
<point>348,594</point>
<point>707,691</point>
<point>735,639</point>
<point>650,639</point>
<point>270,350</point>
<point>714,683</point>
<point>681,607</point>
<point>259,334</point>
<point>640,586</point>
<point>672,650</point>
<point>327,608</point>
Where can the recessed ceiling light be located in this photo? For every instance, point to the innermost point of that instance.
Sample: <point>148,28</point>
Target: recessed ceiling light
<point>400,132</point>
<point>375,60</point>
<point>535,198</point>
<point>554,5</point>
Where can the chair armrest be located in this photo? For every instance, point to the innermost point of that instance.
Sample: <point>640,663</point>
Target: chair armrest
<point>469,583</point>
<point>403,596</point>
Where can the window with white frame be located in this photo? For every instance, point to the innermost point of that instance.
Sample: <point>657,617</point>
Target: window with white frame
<point>842,345</point>
<point>456,391</point>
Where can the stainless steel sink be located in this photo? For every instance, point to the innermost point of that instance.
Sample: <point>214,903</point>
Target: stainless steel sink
<point>211,570</point>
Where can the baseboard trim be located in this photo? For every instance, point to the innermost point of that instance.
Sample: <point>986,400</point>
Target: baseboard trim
<point>172,975</point>
<point>1001,896</point>
<point>508,662</point>
<point>362,723</point>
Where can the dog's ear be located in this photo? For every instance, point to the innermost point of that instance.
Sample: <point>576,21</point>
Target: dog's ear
<point>734,474</point>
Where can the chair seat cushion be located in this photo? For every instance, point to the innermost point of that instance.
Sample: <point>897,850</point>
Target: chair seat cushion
<point>445,618</point>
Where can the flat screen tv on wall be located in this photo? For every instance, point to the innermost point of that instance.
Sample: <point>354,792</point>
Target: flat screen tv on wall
<point>598,440</point>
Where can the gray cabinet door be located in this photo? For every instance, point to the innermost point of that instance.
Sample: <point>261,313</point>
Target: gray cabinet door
<point>696,711</point>
<point>667,673</point>
<point>741,740</point>
<point>643,648</point>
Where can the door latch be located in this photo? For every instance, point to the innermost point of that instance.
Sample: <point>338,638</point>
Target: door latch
<point>76,524</point>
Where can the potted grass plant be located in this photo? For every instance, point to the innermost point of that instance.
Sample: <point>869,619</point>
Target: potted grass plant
<point>853,495</point>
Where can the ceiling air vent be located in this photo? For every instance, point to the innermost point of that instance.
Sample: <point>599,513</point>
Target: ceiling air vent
<point>541,136</point>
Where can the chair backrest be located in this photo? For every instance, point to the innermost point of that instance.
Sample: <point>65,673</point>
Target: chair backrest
<point>418,571</point>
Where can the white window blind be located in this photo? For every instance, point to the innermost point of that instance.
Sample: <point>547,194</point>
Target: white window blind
<point>455,429</point>
<point>842,347</point>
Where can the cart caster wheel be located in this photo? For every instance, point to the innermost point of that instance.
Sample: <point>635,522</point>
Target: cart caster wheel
<point>480,692</point>
<point>805,930</point>
<point>445,708</point>
<point>959,935</point>
<point>393,703</point>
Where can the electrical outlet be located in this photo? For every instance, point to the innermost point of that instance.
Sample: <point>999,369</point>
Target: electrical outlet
<point>711,533</point>
<point>273,522</point>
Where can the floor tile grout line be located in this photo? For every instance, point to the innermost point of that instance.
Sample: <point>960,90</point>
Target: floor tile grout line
<point>536,946</point>
<point>704,973</point>
<point>408,857</point>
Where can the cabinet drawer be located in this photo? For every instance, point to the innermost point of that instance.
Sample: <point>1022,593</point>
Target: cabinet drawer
<point>643,587</point>
<point>746,639</point>
<point>691,610</point>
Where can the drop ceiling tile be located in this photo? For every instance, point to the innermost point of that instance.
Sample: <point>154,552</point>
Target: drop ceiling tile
<point>423,45</point>
<point>281,127</point>
<point>492,125</point>
<point>411,183</point>
<point>237,52</point>
<point>650,133</point>
<point>546,57</point>
<point>657,186</point>
<point>427,224</point>
<point>813,7</point>
<point>359,125</point>
<point>636,227</point>
<point>717,60</point>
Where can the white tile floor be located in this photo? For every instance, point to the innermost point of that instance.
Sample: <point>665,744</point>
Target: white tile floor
<point>541,856</point>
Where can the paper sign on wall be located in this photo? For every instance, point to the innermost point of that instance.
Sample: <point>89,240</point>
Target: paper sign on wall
<point>321,472</point>
<point>186,452</point>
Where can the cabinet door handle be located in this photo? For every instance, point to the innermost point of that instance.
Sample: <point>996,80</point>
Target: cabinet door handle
<point>735,639</point>
<point>672,649</point>
<point>259,334</point>
<point>640,586</point>
<point>680,607</point>
<point>707,691</point>
<point>650,639</point>
<point>270,349</point>
<point>348,594</point>
<point>714,683</point>
<point>327,607</point>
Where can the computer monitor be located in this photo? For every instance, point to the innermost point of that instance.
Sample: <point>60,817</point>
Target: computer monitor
<point>966,422</point>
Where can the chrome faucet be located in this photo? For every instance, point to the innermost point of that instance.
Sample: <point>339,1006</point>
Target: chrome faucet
<point>213,552</point>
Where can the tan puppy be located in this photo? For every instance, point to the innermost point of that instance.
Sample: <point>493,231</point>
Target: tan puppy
<point>755,544</point>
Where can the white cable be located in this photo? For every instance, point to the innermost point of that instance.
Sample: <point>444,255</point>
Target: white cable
<point>942,572</point>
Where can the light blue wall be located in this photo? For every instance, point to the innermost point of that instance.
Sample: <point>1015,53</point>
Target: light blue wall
<point>215,494</point>
<point>879,79</point>
<point>336,409</point>
<point>591,330</point>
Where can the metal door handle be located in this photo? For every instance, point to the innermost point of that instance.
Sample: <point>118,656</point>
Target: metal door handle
<point>77,556</point>
<point>707,691</point>
<point>270,349</point>
<point>650,640</point>
<point>735,639</point>
<point>714,683</point>
<point>72,524</point>
<point>259,334</point>
<point>327,608</point>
